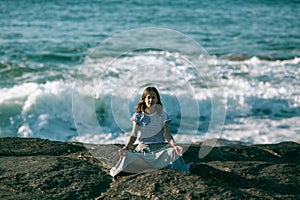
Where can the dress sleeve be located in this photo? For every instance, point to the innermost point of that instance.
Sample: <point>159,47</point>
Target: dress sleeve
<point>166,118</point>
<point>135,117</point>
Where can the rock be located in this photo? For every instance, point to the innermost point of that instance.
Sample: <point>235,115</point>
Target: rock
<point>43,169</point>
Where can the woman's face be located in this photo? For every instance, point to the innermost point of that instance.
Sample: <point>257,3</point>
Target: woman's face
<point>151,99</point>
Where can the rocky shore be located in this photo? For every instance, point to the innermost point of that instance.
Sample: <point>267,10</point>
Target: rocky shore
<point>43,169</point>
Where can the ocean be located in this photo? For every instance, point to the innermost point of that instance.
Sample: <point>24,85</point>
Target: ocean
<point>73,70</point>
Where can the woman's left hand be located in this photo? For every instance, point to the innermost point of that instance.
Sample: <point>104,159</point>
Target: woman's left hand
<point>179,150</point>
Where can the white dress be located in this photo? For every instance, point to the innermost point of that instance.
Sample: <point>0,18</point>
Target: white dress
<point>152,152</point>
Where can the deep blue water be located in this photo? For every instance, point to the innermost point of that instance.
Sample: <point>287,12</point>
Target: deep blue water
<point>255,45</point>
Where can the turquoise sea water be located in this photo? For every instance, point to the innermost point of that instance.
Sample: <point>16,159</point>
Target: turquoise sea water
<point>254,45</point>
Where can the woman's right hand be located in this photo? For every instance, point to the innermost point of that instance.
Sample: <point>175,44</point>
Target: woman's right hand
<point>122,152</point>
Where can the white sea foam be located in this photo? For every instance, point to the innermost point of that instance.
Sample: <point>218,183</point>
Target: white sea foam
<point>261,105</point>
<point>45,109</point>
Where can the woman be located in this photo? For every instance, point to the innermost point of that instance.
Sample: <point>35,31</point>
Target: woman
<point>150,129</point>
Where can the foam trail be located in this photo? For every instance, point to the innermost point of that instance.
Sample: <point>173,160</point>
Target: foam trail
<point>261,105</point>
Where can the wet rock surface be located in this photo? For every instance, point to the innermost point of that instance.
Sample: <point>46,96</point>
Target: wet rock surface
<point>43,169</point>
